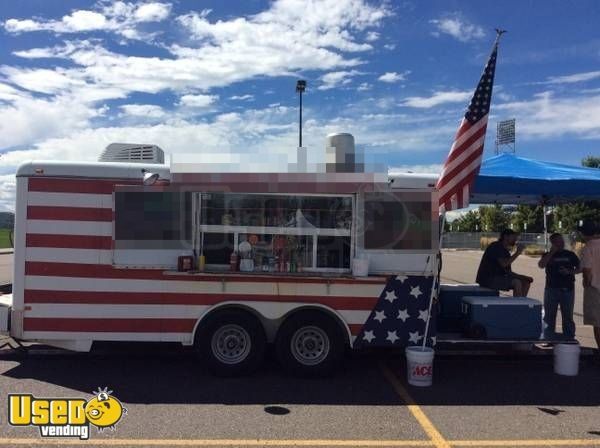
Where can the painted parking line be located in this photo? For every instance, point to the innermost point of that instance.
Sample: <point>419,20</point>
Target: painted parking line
<point>532,442</point>
<point>434,435</point>
<point>217,442</point>
<point>438,440</point>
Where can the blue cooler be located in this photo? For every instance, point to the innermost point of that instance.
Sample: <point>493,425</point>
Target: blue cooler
<point>450,311</point>
<point>502,317</point>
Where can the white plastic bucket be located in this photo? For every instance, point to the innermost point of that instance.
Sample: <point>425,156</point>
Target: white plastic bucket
<point>566,359</point>
<point>419,365</point>
<point>360,267</point>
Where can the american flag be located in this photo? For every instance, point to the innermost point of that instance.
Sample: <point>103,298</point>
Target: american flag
<point>400,315</point>
<point>464,159</point>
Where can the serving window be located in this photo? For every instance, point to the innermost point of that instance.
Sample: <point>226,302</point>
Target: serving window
<point>280,211</point>
<point>283,232</point>
<point>269,232</point>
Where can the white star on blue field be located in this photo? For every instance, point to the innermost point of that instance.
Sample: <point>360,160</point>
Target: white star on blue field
<point>218,77</point>
<point>411,297</point>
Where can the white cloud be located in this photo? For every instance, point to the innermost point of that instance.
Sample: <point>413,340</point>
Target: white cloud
<point>266,136</point>
<point>547,116</point>
<point>59,51</point>
<point>277,42</point>
<point>82,21</point>
<point>436,99</point>
<point>21,26</point>
<point>364,86</point>
<point>456,26</point>
<point>503,96</point>
<point>57,110</point>
<point>41,80</point>
<point>253,130</point>
<point>152,12</point>
<point>9,93</point>
<point>118,17</point>
<point>335,79</point>
<point>197,100</point>
<point>8,184</point>
<point>372,36</point>
<point>292,30</point>
<point>246,97</point>
<point>433,168</point>
<point>574,78</point>
<point>390,46</point>
<point>143,110</point>
<point>392,77</point>
<point>26,120</point>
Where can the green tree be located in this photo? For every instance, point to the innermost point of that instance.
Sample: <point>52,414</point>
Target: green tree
<point>469,222</point>
<point>531,215</point>
<point>567,216</point>
<point>7,220</point>
<point>493,218</point>
<point>591,161</point>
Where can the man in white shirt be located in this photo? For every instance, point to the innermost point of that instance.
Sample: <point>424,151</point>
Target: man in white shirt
<point>590,265</point>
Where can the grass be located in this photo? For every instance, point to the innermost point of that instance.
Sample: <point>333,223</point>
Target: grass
<point>534,251</point>
<point>4,239</point>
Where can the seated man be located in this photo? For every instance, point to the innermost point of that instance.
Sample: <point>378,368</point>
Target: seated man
<point>495,268</point>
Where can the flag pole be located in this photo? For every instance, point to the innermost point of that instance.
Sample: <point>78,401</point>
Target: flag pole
<point>499,32</point>
<point>434,274</point>
<point>452,177</point>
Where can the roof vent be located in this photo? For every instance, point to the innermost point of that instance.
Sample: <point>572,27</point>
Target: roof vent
<point>341,155</point>
<point>131,152</point>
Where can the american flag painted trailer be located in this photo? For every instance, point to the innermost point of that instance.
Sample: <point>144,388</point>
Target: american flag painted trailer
<point>97,247</point>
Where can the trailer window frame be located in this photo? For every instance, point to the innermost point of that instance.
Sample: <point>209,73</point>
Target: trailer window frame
<point>424,196</point>
<point>238,230</point>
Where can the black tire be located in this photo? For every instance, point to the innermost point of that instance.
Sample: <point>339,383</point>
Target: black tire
<point>226,333</point>
<point>319,344</point>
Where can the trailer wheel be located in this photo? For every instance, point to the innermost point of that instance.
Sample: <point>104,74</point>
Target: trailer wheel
<point>310,343</point>
<point>232,343</point>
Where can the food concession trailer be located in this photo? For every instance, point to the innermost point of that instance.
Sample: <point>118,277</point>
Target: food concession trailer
<point>132,249</point>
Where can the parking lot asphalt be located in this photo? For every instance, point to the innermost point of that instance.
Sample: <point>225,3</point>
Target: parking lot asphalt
<point>172,401</point>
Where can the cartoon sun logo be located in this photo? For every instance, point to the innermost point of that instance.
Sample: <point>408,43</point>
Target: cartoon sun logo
<point>104,410</point>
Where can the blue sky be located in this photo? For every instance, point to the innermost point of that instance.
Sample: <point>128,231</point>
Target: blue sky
<point>215,77</point>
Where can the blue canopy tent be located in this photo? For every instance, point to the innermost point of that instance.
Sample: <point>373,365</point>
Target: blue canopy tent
<point>508,179</point>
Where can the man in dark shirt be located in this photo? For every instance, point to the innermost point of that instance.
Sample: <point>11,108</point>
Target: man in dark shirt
<point>495,268</point>
<point>561,266</point>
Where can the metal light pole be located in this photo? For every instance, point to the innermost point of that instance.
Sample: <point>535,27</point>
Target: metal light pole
<point>300,88</point>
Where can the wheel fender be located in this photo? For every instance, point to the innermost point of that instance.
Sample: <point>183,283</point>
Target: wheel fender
<point>273,312</point>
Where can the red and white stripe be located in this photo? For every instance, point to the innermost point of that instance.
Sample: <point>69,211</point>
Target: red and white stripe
<point>462,165</point>
<point>72,290</point>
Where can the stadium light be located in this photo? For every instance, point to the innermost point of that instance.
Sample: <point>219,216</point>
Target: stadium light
<point>300,88</point>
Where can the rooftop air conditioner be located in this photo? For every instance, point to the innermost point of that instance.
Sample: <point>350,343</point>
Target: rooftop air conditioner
<point>131,152</point>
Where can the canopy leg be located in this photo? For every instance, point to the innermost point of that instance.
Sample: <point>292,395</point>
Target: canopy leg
<point>545,211</point>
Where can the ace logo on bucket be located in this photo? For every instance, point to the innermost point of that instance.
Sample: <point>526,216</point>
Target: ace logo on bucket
<point>66,417</point>
<point>422,371</point>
